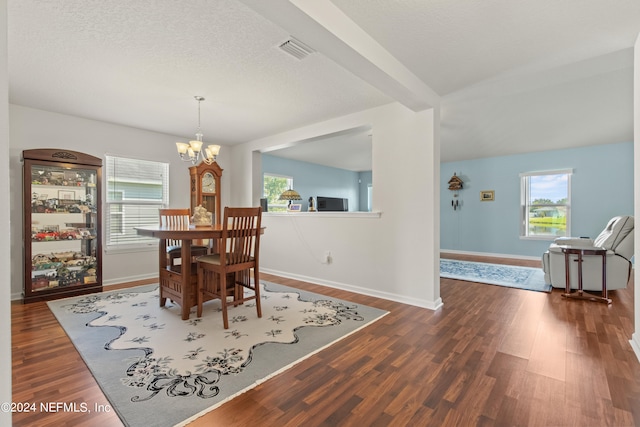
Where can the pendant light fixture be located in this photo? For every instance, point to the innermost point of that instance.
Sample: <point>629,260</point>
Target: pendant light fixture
<point>193,151</point>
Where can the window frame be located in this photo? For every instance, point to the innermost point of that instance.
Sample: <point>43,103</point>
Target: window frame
<point>525,204</point>
<point>284,203</point>
<point>116,239</point>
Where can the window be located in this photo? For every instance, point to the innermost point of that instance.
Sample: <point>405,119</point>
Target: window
<point>274,186</point>
<point>136,189</point>
<point>546,204</point>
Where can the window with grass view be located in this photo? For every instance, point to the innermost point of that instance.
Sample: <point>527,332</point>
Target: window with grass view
<point>546,204</point>
<point>274,186</point>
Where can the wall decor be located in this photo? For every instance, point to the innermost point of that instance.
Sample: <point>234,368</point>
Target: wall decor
<point>487,195</point>
<point>455,184</point>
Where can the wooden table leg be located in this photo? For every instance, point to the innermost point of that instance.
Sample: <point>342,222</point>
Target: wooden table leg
<point>162,263</point>
<point>185,271</point>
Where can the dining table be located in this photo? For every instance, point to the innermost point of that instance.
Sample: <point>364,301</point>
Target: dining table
<point>179,283</point>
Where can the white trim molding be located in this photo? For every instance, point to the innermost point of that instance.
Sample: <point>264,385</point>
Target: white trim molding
<point>353,214</point>
<point>431,305</point>
<point>635,344</point>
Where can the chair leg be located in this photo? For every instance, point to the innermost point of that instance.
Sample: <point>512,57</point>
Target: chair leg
<point>256,284</point>
<point>200,291</point>
<point>242,281</point>
<point>223,299</point>
<point>163,299</point>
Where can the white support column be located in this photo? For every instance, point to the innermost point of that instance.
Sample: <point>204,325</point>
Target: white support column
<point>5,265</point>
<point>635,338</point>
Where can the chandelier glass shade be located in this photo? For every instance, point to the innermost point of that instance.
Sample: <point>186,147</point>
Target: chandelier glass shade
<point>194,151</point>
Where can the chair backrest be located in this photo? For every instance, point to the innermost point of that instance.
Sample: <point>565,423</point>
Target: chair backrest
<point>241,235</point>
<point>175,218</point>
<point>617,236</point>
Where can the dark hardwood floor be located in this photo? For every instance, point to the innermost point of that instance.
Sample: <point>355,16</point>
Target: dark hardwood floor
<point>492,356</point>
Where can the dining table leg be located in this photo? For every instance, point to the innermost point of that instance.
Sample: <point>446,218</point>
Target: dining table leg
<point>162,262</point>
<point>185,271</point>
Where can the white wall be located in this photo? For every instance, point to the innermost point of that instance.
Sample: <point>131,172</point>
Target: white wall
<point>31,128</point>
<point>635,338</point>
<point>5,308</point>
<point>393,256</point>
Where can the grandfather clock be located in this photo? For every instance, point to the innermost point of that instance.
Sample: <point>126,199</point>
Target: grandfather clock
<point>205,188</point>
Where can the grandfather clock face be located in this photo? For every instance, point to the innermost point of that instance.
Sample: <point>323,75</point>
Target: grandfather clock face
<point>208,183</point>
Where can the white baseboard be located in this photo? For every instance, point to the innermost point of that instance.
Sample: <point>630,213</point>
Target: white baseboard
<point>488,254</point>
<point>135,278</point>
<point>431,305</point>
<point>635,344</point>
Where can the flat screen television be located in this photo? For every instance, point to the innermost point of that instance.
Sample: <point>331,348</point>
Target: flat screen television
<point>332,204</point>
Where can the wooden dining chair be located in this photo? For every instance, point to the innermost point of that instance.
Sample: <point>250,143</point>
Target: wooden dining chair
<point>178,218</point>
<point>228,273</point>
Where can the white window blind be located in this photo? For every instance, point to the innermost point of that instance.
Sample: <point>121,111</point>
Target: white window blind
<point>136,189</point>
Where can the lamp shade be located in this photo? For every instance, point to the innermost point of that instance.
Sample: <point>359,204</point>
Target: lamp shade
<point>290,195</point>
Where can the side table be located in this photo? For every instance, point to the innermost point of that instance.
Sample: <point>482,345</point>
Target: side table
<point>580,294</point>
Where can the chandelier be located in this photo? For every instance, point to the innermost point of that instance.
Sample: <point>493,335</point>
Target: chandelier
<point>193,151</point>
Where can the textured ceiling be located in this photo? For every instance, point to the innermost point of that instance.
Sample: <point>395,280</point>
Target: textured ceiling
<point>139,63</point>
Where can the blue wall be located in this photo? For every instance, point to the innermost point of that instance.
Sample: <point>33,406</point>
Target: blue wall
<point>365,179</point>
<point>314,180</point>
<point>601,188</point>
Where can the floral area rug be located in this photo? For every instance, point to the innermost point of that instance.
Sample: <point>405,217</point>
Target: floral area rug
<point>512,276</point>
<point>158,370</point>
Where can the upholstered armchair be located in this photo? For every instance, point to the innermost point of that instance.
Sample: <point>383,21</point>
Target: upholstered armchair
<point>617,238</point>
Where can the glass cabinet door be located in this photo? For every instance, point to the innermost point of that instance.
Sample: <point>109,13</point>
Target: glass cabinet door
<point>205,188</point>
<point>209,203</point>
<point>62,229</point>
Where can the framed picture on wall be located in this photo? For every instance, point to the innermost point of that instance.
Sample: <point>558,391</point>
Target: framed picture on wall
<point>487,196</point>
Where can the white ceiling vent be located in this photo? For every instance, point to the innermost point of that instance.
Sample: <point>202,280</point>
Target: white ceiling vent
<point>296,48</point>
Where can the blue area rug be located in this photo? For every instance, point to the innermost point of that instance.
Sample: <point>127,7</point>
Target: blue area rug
<point>531,279</point>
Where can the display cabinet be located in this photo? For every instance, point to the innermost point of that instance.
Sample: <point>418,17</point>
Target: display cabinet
<point>205,188</point>
<point>62,224</point>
